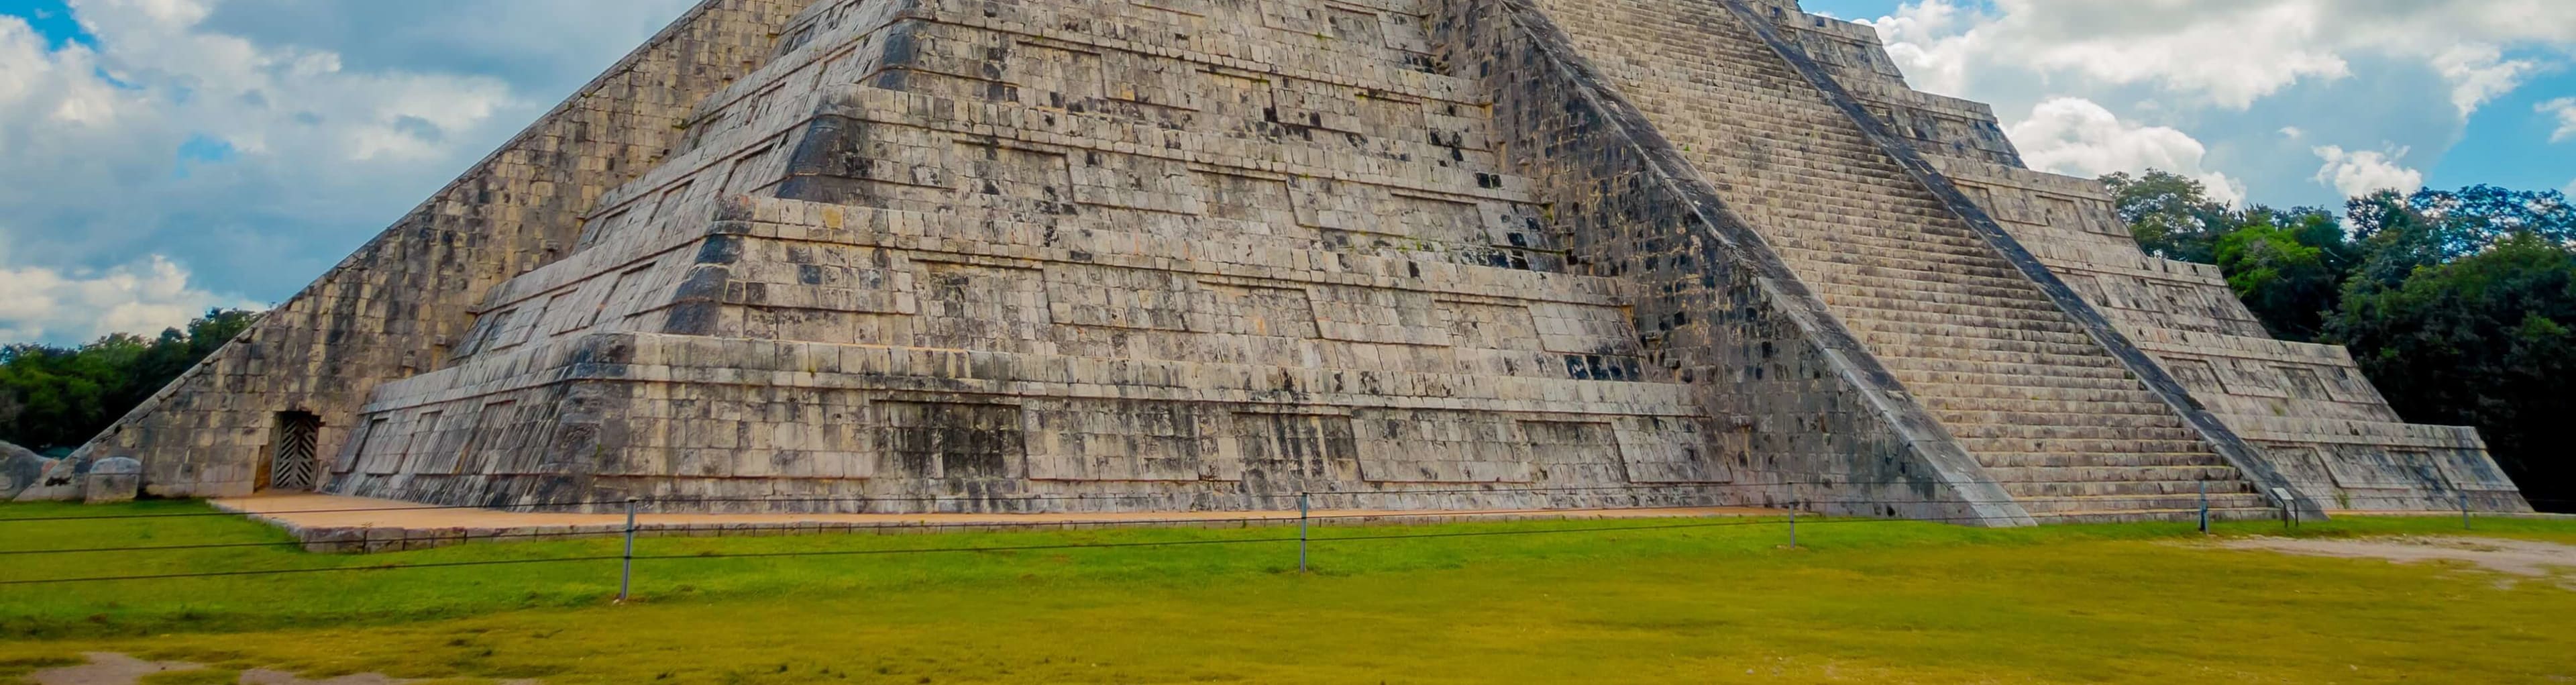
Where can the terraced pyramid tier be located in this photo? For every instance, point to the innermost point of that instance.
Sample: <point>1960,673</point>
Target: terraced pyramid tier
<point>1049,255</point>
<point>1059,256</point>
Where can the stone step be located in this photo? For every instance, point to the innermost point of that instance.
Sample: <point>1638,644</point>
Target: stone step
<point>1942,405</point>
<point>1902,309</point>
<point>1925,270</point>
<point>1917,345</point>
<point>1913,258</point>
<point>1856,297</point>
<point>2109,503</point>
<point>1898,279</point>
<point>2133,488</point>
<point>2101,473</point>
<point>2025,431</point>
<point>2157,515</point>
<point>2005,393</point>
<point>2006,459</point>
<point>1933,333</point>
<point>2045,327</point>
<point>2006,389</point>
<point>1916,245</point>
<point>2057,418</point>
<point>1983,446</point>
<point>1912,262</point>
<point>2088,366</point>
<point>2034,366</point>
<point>1917,369</point>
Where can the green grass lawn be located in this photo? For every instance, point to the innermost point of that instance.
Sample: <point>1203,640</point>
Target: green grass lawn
<point>1858,602</point>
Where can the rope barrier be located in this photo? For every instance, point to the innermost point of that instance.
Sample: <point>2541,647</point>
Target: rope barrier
<point>972,549</point>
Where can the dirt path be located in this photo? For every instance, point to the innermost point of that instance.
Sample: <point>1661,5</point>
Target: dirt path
<point>338,511</point>
<point>110,668</point>
<point>2525,558</point>
<point>107,668</point>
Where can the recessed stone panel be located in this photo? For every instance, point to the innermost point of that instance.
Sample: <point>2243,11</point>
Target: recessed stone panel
<point>1289,453</point>
<point>1659,449</point>
<point>952,441</point>
<point>1128,440</point>
<point>1441,447</point>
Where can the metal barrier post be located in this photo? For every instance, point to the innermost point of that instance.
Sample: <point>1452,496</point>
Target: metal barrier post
<point>2204,507</point>
<point>626,577</point>
<point>1793,524</point>
<point>1301,532</point>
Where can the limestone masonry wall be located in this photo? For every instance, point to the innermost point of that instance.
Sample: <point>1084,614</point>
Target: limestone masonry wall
<point>401,304</point>
<point>1046,255</point>
<point>1815,413</point>
<point>1053,256</point>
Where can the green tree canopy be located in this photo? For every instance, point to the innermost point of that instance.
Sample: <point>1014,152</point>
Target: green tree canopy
<point>2456,303</point>
<point>53,397</point>
<point>2172,216</point>
<point>2286,280</point>
<point>2484,340</point>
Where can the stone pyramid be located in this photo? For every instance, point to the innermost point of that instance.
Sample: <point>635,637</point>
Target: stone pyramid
<point>1055,255</point>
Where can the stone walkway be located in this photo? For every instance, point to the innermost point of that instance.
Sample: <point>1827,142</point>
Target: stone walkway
<point>331,523</point>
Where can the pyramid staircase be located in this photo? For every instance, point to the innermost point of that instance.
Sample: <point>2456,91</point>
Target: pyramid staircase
<point>2068,431</point>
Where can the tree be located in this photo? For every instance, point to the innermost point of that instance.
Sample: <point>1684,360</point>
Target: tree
<point>52,397</point>
<point>2484,340</point>
<point>2172,216</point>
<point>2457,304</point>
<point>2402,233</point>
<point>2287,282</point>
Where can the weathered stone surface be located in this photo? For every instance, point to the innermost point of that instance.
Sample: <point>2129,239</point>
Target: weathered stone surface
<point>26,476</point>
<point>112,480</point>
<point>2308,416</point>
<point>400,305</point>
<point>20,469</point>
<point>1034,255</point>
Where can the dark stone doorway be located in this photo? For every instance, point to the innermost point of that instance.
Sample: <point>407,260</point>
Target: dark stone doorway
<point>292,465</point>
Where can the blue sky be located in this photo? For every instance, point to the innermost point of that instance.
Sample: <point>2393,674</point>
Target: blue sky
<point>51,18</point>
<point>2385,102</point>
<point>164,156</point>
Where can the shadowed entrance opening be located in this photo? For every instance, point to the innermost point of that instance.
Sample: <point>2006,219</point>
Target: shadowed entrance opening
<point>291,463</point>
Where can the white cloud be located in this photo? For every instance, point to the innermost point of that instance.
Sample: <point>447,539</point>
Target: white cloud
<point>143,298</point>
<point>2226,53</point>
<point>2479,73</point>
<point>2293,132</point>
<point>2565,110</point>
<point>2077,137</point>
<point>220,134</point>
<point>2358,173</point>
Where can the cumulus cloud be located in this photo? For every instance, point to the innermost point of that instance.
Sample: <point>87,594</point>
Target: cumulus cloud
<point>2358,173</point>
<point>2479,73</point>
<point>2077,137</point>
<point>40,303</point>
<point>2565,110</point>
<point>2223,52</point>
<point>255,142</point>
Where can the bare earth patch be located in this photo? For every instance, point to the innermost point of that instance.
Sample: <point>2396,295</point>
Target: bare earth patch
<point>107,668</point>
<point>2527,558</point>
<point>110,668</point>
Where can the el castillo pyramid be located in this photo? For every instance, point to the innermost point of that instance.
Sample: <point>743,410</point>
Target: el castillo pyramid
<point>1045,255</point>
